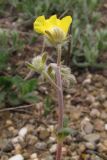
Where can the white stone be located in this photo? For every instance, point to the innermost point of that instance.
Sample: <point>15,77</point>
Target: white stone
<point>53,148</point>
<point>23,131</point>
<point>33,156</point>
<point>17,157</point>
<point>106,127</point>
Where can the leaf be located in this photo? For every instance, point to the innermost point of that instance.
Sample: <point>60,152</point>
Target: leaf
<point>28,86</point>
<point>2,96</point>
<point>30,97</point>
<point>5,82</point>
<point>44,57</point>
<point>64,132</point>
<point>13,99</point>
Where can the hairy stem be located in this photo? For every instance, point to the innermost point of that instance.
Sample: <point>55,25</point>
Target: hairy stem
<point>60,102</point>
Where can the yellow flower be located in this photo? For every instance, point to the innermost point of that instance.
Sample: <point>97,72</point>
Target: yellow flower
<point>53,28</point>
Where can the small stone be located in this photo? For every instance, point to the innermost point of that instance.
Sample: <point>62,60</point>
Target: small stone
<point>41,145</point>
<point>18,148</point>
<point>86,82</point>
<point>88,128</point>
<point>95,113</point>
<point>11,129</point>
<point>33,156</point>
<point>90,99</point>
<point>15,140</point>
<point>93,137</point>
<point>53,148</point>
<point>51,128</point>
<point>81,147</point>
<point>96,104</point>
<point>51,140</point>
<point>90,146</point>
<point>30,128</point>
<point>105,104</point>
<point>31,139</point>
<point>75,114</point>
<point>68,97</point>
<point>103,115</point>
<point>4,157</point>
<point>105,143</point>
<point>9,122</point>
<point>105,127</point>
<point>99,124</point>
<point>48,158</point>
<point>43,134</point>
<point>64,151</point>
<point>17,157</point>
<point>102,147</point>
<point>23,131</point>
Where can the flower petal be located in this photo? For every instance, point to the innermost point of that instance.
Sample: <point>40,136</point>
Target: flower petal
<point>53,20</point>
<point>65,23</point>
<point>41,24</point>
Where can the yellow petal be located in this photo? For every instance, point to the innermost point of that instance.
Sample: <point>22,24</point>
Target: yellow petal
<point>53,20</point>
<point>65,23</point>
<point>40,25</point>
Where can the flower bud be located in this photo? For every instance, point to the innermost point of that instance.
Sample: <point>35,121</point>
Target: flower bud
<point>38,63</point>
<point>55,35</point>
<point>68,78</point>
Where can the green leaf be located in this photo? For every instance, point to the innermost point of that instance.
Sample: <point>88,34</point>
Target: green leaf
<point>30,97</point>
<point>28,86</point>
<point>2,96</point>
<point>13,99</point>
<point>48,105</point>
<point>64,132</point>
<point>5,82</point>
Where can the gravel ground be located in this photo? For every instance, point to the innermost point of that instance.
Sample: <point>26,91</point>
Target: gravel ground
<point>27,133</point>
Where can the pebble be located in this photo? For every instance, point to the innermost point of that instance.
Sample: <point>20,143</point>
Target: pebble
<point>4,157</point>
<point>93,137</point>
<point>11,129</point>
<point>86,82</point>
<point>31,139</point>
<point>33,156</point>
<point>105,104</point>
<point>102,147</point>
<point>90,146</point>
<point>81,148</point>
<point>9,122</point>
<point>90,99</point>
<point>99,124</point>
<point>30,128</point>
<point>103,115</point>
<point>22,132</point>
<point>53,148</point>
<point>18,148</point>
<point>105,127</point>
<point>105,143</point>
<point>41,145</point>
<point>17,157</point>
<point>51,140</point>
<point>43,134</point>
<point>88,128</point>
<point>51,128</point>
<point>95,113</point>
